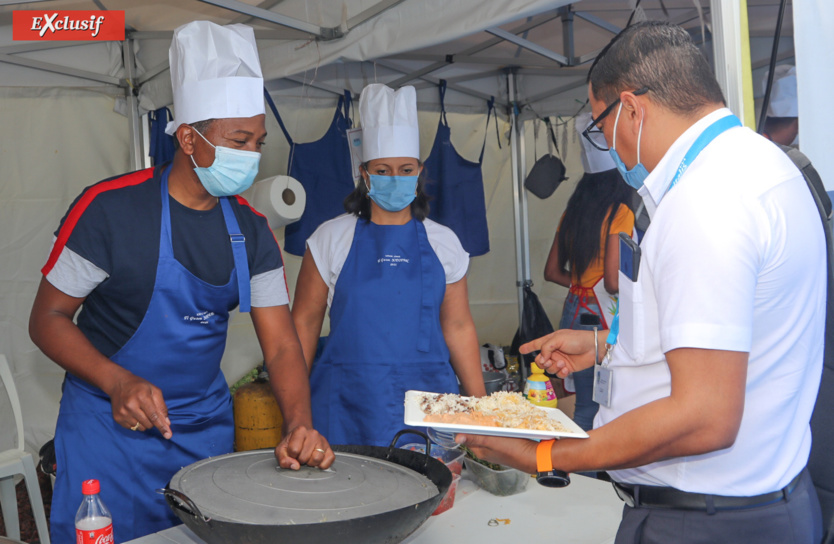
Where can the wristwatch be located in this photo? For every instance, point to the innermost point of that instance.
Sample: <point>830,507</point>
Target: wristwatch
<point>546,475</point>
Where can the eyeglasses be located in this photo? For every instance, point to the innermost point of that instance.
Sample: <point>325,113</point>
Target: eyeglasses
<point>593,134</point>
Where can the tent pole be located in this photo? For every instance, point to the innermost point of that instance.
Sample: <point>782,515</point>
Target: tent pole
<point>133,121</point>
<point>567,34</point>
<point>522,259</point>
<point>726,42</point>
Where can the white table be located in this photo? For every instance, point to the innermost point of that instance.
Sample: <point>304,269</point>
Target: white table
<point>587,511</point>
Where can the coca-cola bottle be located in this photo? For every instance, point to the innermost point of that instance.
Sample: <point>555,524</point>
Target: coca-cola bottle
<point>93,522</point>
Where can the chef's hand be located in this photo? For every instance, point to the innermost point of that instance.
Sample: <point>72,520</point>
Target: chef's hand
<point>512,452</point>
<point>138,405</point>
<point>564,351</point>
<point>303,446</point>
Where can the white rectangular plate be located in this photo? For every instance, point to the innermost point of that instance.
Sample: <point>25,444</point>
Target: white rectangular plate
<point>414,416</point>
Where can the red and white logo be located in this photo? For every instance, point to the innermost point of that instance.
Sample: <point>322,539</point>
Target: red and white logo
<point>96,536</point>
<point>68,25</point>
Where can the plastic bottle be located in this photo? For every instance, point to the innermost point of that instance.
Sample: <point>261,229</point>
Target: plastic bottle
<point>539,390</point>
<point>93,522</point>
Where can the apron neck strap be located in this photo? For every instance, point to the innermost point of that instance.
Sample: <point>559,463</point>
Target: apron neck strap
<point>166,248</point>
<point>347,103</point>
<point>442,88</point>
<point>490,107</point>
<point>239,253</point>
<point>277,116</point>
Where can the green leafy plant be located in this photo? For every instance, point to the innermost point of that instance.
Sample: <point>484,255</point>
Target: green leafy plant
<point>247,378</point>
<point>477,459</point>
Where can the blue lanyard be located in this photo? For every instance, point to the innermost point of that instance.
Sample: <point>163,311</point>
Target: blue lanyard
<point>705,138</point>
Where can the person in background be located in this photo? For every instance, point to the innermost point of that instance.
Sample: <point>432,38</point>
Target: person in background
<point>159,258</point>
<point>585,255</point>
<point>714,310</point>
<point>395,284</point>
<point>782,122</point>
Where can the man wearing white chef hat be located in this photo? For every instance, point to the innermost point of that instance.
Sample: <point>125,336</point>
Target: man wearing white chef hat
<point>782,122</point>
<point>724,297</point>
<point>395,284</point>
<point>159,258</point>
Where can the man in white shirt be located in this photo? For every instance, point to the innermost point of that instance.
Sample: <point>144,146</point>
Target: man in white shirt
<point>717,363</point>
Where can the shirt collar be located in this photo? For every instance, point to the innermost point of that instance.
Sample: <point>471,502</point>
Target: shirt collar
<point>655,185</point>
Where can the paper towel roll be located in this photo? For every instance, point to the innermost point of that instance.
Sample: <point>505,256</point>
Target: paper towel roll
<point>281,199</point>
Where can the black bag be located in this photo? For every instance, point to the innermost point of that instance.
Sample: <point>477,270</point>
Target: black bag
<point>822,421</point>
<point>534,324</point>
<point>548,172</point>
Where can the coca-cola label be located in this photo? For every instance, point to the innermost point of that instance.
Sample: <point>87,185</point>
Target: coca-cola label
<point>98,536</point>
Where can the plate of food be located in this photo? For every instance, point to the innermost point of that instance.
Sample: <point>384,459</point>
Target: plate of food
<point>500,414</point>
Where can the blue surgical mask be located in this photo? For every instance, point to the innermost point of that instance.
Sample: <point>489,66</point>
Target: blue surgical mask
<point>637,175</point>
<point>393,193</point>
<point>232,171</point>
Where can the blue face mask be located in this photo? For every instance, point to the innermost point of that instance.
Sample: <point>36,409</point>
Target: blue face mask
<point>232,171</point>
<point>637,175</point>
<point>393,193</point>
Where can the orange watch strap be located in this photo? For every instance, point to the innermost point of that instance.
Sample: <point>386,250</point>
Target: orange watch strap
<point>544,462</point>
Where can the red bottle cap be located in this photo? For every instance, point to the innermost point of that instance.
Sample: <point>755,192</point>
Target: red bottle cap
<point>90,487</point>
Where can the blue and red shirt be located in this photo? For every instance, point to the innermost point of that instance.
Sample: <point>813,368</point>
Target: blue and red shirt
<point>106,251</point>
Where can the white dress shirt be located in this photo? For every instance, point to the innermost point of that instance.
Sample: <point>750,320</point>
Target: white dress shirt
<point>734,260</point>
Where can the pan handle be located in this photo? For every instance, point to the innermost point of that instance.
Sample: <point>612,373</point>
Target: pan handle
<point>410,431</point>
<point>179,500</point>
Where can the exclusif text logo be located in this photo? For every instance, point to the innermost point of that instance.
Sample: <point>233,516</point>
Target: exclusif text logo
<point>69,25</point>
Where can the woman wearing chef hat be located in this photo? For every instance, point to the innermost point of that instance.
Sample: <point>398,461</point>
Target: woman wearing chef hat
<point>395,283</point>
<point>160,258</point>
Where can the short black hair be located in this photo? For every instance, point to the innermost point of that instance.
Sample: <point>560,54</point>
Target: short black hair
<point>200,126</point>
<point>359,203</point>
<point>662,57</point>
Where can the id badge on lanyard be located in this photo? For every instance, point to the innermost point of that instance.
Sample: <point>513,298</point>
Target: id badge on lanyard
<point>603,374</point>
<point>602,385</point>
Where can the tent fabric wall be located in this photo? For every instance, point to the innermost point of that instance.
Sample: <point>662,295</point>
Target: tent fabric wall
<point>57,141</point>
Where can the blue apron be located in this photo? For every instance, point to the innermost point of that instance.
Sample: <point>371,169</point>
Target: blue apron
<point>177,347</point>
<point>385,335</point>
<point>324,170</point>
<point>161,145</point>
<point>456,186</point>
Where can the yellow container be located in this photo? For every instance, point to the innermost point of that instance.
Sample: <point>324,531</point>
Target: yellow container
<point>258,419</point>
<point>539,390</point>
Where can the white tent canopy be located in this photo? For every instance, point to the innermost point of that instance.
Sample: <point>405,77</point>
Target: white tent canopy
<point>71,112</point>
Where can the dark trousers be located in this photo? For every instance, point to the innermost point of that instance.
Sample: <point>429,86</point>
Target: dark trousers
<point>796,520</point>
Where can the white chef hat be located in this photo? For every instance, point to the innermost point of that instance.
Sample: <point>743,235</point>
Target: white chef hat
<point>389,122</point>
<point>215,73</point>
<point>783,101</point>
<point>593,160</point>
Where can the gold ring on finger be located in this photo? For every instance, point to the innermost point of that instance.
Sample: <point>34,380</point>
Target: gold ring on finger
<point>319,450</point>
<point>135,427</point>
